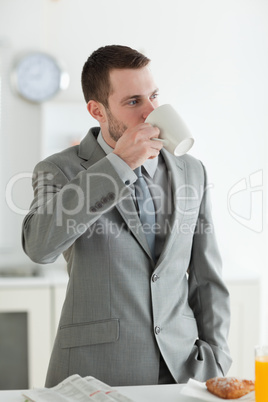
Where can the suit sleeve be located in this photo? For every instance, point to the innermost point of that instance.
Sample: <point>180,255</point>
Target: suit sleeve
<point>208,295</point>
<point>60,203</point>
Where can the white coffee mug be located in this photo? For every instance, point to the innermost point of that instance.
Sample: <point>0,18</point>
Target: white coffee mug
<point>174,133</point>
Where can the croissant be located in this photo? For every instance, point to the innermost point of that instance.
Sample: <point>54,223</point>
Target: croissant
<point>229,387</point>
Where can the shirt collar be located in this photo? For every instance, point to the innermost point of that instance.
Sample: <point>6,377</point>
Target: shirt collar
<point>107,149</point>
<point>150,165</point>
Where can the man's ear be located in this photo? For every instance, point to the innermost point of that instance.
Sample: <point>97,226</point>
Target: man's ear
<point>97,111</point>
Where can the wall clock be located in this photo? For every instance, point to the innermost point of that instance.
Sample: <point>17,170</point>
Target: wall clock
<point>38,76</point>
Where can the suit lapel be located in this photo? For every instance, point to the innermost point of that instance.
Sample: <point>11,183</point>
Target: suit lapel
<point>90,152</point>
<point>177,172</point>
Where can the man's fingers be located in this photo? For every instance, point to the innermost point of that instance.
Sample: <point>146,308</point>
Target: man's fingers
<point>135,145</point>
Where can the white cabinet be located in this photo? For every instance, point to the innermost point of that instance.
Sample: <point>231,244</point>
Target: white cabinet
<point>41,298</point>
<point>245,325</point>
<point>36,303</point>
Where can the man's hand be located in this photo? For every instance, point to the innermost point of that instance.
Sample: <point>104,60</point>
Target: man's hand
<point>136,145</point>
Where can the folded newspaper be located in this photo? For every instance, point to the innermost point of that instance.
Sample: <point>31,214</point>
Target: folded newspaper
<point>76,388</point>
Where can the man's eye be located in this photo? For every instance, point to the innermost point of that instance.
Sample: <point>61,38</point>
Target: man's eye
<point>154,96</point>
<point>132,102</point>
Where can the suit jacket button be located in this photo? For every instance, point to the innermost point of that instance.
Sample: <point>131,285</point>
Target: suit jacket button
<point>104,200</point>
<point>98,205</point>
<point>157,330</point>
<point>155,277</point>
<point>111,196</point>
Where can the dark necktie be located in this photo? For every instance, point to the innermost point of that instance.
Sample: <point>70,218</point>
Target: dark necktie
<point>146,209</point>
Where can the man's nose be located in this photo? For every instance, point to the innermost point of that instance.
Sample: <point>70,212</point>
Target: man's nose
<point>148,108</point>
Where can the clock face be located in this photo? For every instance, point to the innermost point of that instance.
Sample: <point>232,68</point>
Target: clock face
<point>38,77</point>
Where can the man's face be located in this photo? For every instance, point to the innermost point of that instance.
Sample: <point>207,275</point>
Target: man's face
<point>133,96</point>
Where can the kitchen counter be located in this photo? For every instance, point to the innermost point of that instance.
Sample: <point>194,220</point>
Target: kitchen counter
<point>33,276</point>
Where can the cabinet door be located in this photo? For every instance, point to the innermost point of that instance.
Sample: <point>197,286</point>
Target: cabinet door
<point>36,303</point>
<point>245,327</point>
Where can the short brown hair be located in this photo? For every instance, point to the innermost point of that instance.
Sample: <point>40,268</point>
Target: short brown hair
<point>96,71</point>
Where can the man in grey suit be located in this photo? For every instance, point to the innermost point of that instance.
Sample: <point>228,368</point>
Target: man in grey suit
<point>131,315</point>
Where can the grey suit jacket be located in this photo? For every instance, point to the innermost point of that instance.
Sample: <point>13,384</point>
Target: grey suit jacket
<point>121,309</point>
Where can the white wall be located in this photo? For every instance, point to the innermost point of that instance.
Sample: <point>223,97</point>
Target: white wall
<point>210,60</point>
